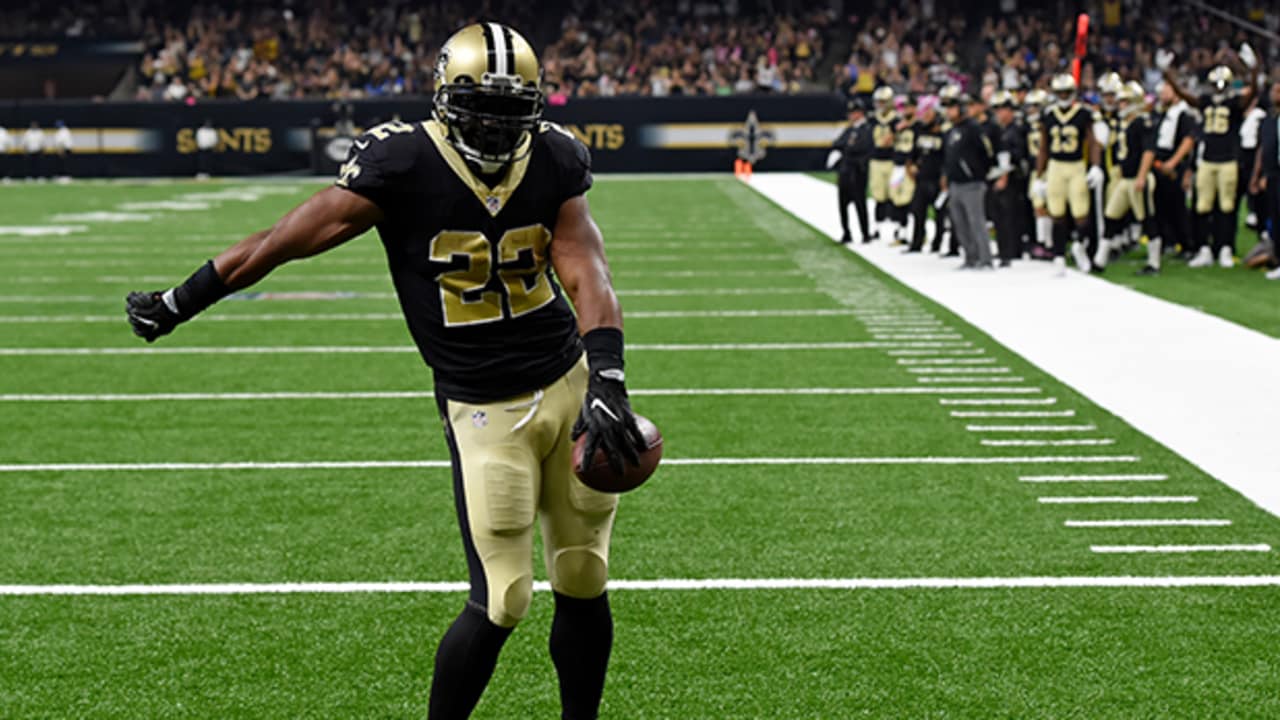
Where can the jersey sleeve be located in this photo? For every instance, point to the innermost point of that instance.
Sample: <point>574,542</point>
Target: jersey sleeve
<point>572,161</point>
<point>379,164</point>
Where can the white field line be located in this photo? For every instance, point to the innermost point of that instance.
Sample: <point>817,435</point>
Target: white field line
<point>1172,522</point>
<point>666,462</point>
<point>1069,442</point>
<point>946,361</point>
<point>918,336</point>
<point>422,394</point>
<point>971,379</point>
<point>378,349</point>
<point>990,401</point>
<point>667,584</point>
<point>1030,428</point>
<point>1013,413</point>
<point>1260,547</point>
<point>970,351</point>
<point>930,370</point>
<point>398,317</point>
<point>1153,477</point>
<point>1118,500</point>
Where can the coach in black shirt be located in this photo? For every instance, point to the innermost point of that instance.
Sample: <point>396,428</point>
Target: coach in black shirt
<point>850,153</point>
<point>967,156</point>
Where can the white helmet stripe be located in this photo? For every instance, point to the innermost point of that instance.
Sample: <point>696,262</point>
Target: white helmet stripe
<point>500,50</point>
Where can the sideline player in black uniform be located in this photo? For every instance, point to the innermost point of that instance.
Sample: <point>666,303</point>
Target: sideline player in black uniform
<point>1067,147</point>
<point>1132,191</point>
<point>883,122</point>
<point>901,185</point>
<point>1218,174</point>
<point>851,153</point>
<point>1033,106</point>
<point>482,213</point>
<point>926,169</point>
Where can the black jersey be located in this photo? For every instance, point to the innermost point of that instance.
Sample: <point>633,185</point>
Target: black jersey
<point>927,154</point>
<point>882,135</point>
<point>1109,151</point>
<point>470,261</point>
<point>1031,127</point>
<point>1137,135</point>
<point>904,143</point>
<point>1220,131</point>
<point>1066,131</point>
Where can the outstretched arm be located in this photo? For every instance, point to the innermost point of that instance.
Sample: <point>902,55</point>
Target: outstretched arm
<point>1178,89</point>
<point>326,220</point>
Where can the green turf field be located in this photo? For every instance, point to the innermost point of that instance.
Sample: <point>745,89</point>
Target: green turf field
<point>902,445</point>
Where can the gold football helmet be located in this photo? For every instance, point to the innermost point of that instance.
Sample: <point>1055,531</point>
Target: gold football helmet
<point>1109,86</point>
<point>883,98</point>
<point>1035,101</point>
<point>1220,78</point>
<point>1002,98</point>
<point>488,93</point>
<point>1063,87</point>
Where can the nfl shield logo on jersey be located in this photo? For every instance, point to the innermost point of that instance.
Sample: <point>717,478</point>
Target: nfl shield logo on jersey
<point>479,418</point>
<point>493,204</point>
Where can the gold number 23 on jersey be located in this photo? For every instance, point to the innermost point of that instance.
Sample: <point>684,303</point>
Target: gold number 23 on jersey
<point>466,296</point>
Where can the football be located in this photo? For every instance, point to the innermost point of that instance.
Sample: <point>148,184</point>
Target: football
<point>599,476</point>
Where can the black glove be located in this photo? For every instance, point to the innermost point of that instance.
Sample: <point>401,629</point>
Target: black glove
<point>606,417</point>
<point>150,316</point>
<point>156,314</point>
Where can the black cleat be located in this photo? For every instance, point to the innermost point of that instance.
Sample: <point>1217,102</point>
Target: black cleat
<point>845,239</point>
<point>1148,271</point>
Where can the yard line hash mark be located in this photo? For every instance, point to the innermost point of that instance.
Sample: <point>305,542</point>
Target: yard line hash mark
<point>1119,500</point>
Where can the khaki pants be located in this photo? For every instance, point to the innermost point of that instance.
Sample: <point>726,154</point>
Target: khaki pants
<point>511,465</point>
<point>1123,197</point>
<point>878,179</point>
<point>1067,188</point>
<point>1217,180</point>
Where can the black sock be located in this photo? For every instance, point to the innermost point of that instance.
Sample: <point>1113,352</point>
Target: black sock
<point>1061,238</point>
<point>465,660</point>
<point>1226,230</point>
<point>581,637</point>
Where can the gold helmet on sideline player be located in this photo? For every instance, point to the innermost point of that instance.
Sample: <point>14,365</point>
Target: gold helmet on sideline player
<point>883,99</point>
<point>1063,87</point>
<point>1109,90</point>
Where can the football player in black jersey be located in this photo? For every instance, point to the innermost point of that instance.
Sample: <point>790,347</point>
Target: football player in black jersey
<point>1133,191</point>
<point>1068,146</point>
<point>925,169</point>
<point>1217,177</point>
<point>482,213</point>
<point>880,167</point>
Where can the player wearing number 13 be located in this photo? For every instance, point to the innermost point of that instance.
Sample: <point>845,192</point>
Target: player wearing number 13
<point>482,214</point>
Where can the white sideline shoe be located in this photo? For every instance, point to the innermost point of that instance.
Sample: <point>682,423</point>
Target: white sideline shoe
<point>1225,258</point>
<point>1203,258</point>
<point>1059,266</point>
<point>1274,274</point>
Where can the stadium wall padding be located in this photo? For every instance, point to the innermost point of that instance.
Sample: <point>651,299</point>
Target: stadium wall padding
<point>678,134</point>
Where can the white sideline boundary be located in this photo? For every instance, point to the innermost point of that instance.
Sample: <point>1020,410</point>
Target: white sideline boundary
<point>1222,424</point>
<point>666,462</point>
<point>665,584</point>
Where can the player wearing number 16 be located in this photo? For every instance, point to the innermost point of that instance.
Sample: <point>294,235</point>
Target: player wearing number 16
<point>483,216</point>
